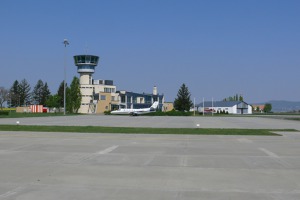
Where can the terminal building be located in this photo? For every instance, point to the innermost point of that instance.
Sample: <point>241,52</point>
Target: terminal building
<point>99,96</point>
<point>137,100</point>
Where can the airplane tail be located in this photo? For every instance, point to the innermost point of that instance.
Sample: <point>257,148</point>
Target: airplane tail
<point>154,105</point>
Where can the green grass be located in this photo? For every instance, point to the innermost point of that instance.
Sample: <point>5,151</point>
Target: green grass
<point>292,118</point>
<point>132,130</point>
<point>14,114</point>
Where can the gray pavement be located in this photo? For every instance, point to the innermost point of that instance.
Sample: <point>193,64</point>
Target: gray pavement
<point>37,165</point>
<point>161,122</point>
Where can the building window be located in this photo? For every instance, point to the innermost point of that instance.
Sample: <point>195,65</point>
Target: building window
<point>103,97</point>
<point>140,100</point>
<point>109,90</point>
<point>122,99</point>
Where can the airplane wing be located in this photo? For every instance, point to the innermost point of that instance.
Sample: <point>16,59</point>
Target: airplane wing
<point>133,113</point>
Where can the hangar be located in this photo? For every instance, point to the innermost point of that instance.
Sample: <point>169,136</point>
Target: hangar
<point>230,107</point>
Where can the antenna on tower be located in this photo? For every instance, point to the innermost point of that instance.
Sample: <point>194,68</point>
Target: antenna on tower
<point>86,49</point>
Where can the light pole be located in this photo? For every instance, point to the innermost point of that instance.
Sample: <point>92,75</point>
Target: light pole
<point>9,102</point>
<point>203,107</point>
<point>212,105</point>
<point>65,63</point>
<point>8,95</point>
<point>194,106</point>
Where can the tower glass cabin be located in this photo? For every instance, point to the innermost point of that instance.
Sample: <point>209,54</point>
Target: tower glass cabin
<point>86,67</point>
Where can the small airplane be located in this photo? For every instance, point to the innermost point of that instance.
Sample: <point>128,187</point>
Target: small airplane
<point>135,112</point>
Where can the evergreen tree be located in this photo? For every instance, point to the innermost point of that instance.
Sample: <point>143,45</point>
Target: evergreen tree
<point>234,98</point>
<point>74,96</point>
<point>46,94</point>
<point>241,98</point>
<point>24,92</point>
<point>37,94</point>
<point>40,93</point>
<point>15,94</point>
<point>60,93</point>
<point>183,101</point>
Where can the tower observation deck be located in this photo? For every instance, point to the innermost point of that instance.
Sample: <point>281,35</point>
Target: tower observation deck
<point>86,67</point>
<point>86,63</point>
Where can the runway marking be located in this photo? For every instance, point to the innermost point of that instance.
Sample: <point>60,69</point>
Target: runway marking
<point>108,150</point>
<point>12,192</point>
<point>244,140</point>
<point>276,158</point>
<point>269,153</point>
<point>149,160</point>
<point>183,161</point>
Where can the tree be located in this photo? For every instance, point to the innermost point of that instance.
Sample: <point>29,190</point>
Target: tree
<point>257,109</point>
<point>74,96</point>
<point>24,92</point>
<point>53,101</point>
<point>40,93</point>
<point>241,98</point>
<point>234,98</point>
<point>4,95</point>
<point>183,101</point>
<point>37,93</point>
<point>46,94</point>
<point>69,103</point>
<point>60,93</point>
<point>268,107</point>
<point>14,94</point>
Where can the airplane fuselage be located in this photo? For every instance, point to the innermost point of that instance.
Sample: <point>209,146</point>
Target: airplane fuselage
<point>134,112</point>
<point>131,111</point>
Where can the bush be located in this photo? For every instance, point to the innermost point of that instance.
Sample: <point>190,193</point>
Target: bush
<point>106,112</point>
<point>171,113</point>
<point>2,112</point>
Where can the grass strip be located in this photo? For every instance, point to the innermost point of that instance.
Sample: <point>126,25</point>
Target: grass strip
<point>137,130</point>
<point>26,115</point>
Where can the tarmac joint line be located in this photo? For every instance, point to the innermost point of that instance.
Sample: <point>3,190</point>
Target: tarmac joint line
<point>269,153</point>
<point>276,158</point>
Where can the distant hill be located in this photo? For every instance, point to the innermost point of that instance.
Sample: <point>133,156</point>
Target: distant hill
<point>283,106</point>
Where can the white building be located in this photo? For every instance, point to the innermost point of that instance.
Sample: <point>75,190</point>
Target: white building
<point>232,107</point>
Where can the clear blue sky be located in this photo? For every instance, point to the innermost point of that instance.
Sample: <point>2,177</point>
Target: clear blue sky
<point>216,47</point>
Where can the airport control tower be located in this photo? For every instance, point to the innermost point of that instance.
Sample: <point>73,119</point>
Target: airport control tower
<point>86,67</point>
